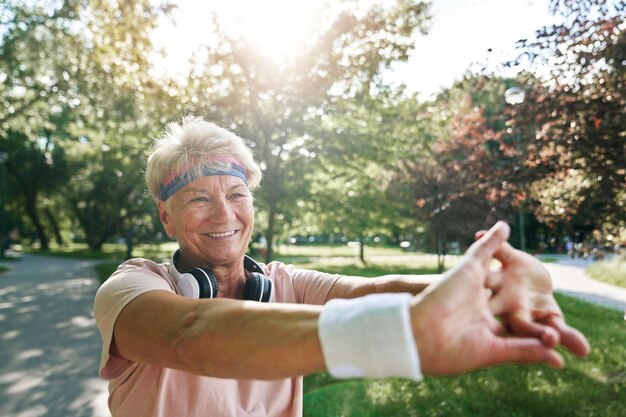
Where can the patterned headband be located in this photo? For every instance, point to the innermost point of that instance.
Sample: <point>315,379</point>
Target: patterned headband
<point>184,176</point>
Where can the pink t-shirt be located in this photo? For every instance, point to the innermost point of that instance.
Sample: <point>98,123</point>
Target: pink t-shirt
<point>137,390</point>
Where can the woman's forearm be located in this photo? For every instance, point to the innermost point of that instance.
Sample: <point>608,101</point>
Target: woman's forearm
<point>248,340</point>
<point>352,287</point>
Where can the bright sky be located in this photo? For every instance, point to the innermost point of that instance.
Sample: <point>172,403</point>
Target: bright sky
<point>461,33</point>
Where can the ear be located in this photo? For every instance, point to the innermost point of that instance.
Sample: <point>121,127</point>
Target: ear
<point>164,216</point>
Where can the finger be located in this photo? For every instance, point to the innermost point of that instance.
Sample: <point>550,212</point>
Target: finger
<point>525,327</point>
<point>505,254</point>
<point>494,280</point>
<point>490,242</point>
<point>524,351</point>
<point>570,337</point>
<point>504,303</point>
<point>479,234</point>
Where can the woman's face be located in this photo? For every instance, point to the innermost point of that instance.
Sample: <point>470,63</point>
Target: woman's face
<point>211,218</point>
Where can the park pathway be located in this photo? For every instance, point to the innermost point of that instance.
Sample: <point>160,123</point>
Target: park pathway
<point>50,347</point>
<point>49,344</point>
<point>569,277</point>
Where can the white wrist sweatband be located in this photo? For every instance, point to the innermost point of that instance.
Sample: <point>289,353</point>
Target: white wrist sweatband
<point>369,336</point>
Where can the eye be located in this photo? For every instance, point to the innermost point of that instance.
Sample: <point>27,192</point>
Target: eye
<point>200,200</point>
<point>238,196</point>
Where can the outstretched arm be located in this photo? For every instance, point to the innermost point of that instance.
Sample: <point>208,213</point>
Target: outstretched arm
<point>452,324</point>
<point>353,286</point>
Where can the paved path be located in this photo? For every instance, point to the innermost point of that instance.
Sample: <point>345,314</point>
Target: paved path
<point>568,277</point>
<point>50,347</point>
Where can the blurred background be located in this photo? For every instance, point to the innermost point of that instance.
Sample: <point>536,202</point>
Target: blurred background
<point>388,132</point>
<point>382,123</point>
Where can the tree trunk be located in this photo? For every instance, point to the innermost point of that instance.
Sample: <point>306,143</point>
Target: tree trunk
<point>269,233</point>
<point>95,244</point>
<point>440,253</point>
<point>129,243</point>
<point>31,211</point>
<point>362,251</point>
<point>30,203</point>
<point>55,226</point>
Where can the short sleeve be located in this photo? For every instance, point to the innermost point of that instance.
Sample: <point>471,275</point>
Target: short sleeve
<point>133,278</point>
<point>302,286</point>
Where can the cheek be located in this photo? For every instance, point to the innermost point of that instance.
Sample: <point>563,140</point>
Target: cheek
<point>188,220</point>
<point>192,221</point>
<point>248,215</point>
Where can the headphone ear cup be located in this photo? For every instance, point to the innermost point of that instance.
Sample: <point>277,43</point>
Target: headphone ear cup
<point>205,281</point>
<point>188,286</point>
<point>258,288</point>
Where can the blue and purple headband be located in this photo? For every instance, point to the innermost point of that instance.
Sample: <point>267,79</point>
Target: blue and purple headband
<point>184,176</point>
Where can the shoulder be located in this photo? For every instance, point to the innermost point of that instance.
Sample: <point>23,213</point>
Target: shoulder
<point>139,271</point>
<point>282,273</point>
<point>300,285</point>
<point>134,277</point>
<point>141,265</point>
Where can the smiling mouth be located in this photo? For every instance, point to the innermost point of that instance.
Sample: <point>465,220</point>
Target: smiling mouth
<point>222,234</point>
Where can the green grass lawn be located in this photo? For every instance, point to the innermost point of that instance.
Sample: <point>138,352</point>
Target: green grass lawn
<point>612,271</point>
<point>110,251</point>
<point>344,260</point>
<point>332,259</point>
<point>593,386</point>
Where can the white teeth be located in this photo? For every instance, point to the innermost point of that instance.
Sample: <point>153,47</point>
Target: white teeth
<point>223,234</point>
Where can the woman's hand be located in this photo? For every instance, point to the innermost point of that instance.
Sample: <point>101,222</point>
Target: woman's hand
<point>453,323</point>
<point>524,301</point>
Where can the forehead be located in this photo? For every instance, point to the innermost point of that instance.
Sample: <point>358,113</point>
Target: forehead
<point>213,183</point>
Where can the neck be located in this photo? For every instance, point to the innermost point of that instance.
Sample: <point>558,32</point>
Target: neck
<point>231,280</point>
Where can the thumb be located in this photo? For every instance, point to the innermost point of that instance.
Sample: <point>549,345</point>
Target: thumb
<point>490,242</point>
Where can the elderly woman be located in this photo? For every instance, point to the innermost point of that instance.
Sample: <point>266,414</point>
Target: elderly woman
<point>213,333</point>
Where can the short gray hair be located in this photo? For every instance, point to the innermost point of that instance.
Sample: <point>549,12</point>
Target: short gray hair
<point>195,144</point>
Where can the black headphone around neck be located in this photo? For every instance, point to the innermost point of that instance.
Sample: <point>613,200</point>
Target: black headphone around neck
<point>201,283</point>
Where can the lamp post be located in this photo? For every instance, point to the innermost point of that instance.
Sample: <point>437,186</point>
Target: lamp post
<point>3,159</point>
<point>515,96</point>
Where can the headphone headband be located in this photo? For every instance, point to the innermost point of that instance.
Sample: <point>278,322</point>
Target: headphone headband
<point>251,265</point>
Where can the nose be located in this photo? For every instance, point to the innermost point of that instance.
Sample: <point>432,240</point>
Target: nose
<point>222,211</point>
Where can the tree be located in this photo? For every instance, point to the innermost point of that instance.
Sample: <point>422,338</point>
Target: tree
<point>578,116</point>
<point>278,107</point>
<point>350,192</point>
<point>458,176</point>
<point>75,76</point>
<point>34,47</point>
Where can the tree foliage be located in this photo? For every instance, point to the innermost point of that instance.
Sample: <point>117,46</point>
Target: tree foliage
<point>559,154</point>
<point>456,177</point>
<point>577,114</point>
<point>74,75</point>
<point>278,106</point>
<point>80,104</point>
<point>351,193</point>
